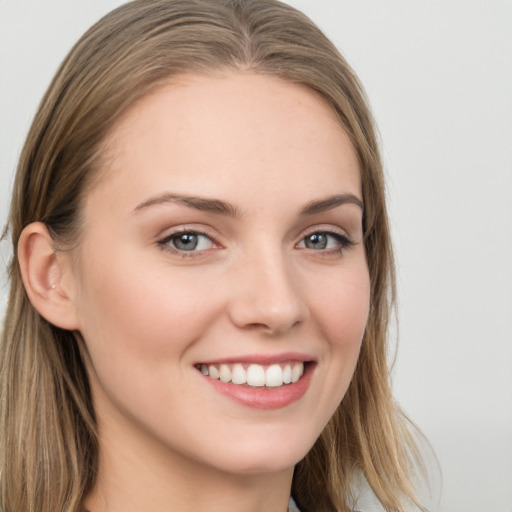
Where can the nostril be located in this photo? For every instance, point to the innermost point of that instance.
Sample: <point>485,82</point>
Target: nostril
<point>272,328</point>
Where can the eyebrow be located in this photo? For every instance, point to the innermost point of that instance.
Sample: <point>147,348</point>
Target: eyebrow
<point>331,202</point>
<point>220,207</point>
<point>203,204</point>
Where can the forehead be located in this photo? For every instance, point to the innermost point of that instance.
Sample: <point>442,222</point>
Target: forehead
<point>200,132</point>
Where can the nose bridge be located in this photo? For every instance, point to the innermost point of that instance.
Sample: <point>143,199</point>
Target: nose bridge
<point>267,294</point>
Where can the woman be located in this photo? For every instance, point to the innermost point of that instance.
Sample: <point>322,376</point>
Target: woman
<point>203,278</point>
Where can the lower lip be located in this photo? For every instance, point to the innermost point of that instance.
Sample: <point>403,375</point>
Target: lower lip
<point>263,397</point>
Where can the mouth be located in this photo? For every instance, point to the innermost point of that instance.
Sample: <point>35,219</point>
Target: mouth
<point>255,375</point>
<point>265,383</point>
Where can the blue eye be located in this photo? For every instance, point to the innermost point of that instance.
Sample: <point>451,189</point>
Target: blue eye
<point>324,241</point>
<point>317,241</point>
<point>188,241</point>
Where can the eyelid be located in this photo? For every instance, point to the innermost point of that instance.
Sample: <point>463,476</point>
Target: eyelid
<point>328,229</point>
<point>343,238</point>
<point>163,241</point>
<point>196,228</point>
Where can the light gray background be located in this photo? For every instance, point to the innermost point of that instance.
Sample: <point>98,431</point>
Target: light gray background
<point>439,77</point>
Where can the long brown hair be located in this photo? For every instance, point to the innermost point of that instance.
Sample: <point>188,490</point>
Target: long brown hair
<point>48,440</point>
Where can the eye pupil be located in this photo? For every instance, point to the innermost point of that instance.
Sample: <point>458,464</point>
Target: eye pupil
<point>186,242</point>
<point>316,241</point>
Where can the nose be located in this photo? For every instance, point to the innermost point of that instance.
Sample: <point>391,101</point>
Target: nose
<point>266,296</point>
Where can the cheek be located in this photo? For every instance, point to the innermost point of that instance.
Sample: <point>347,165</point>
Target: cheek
<point>138,328</point>
<point>343,309</point>
<point>141,315</point>
<point>342,313</point>
<point>339,313</point>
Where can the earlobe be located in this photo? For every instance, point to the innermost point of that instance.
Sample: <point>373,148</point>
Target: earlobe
<point>42,270</point>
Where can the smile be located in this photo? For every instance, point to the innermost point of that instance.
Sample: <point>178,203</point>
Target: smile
<point>255,375</point>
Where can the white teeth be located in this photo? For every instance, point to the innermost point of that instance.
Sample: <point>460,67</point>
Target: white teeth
<point>256,375</point>
<point>238,374</point>
<point>214,372</point>
<point>297,371</point>
<point>287,374</point>
<point>274,376</point>
<point>225,373</point>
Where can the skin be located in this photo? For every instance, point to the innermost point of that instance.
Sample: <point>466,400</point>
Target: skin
<point>256,285</point>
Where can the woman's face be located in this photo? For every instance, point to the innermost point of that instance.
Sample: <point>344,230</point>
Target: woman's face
<point>222,243</point>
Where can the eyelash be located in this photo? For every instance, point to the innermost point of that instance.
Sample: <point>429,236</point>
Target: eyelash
<point>165,243</point>
<point>342,240</point>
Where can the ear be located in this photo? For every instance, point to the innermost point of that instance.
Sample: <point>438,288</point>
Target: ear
<point>47,277</point>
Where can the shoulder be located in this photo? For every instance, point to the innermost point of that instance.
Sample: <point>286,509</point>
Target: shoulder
<point>427,487</point>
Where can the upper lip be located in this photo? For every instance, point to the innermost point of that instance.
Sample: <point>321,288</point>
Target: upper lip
<point>263,359</point>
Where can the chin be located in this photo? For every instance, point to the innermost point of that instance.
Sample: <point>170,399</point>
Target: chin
<point>264,454</point>
<point>260,465</point>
